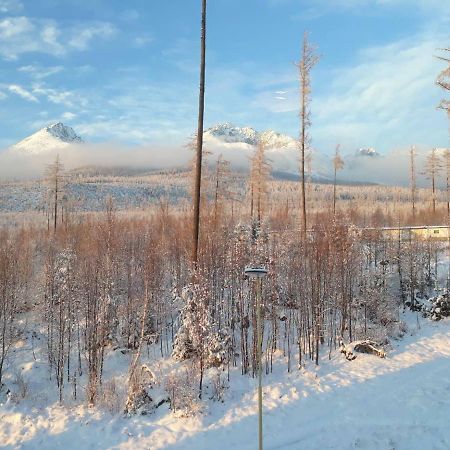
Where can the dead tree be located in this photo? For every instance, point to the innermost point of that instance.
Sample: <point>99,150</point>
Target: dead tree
<point>259,174</point>
<point>412,178</point>
<point>338,164</point>
<point>220,184</point>
<point>446,157</point>
<point>55,176</point>
<point>433,167</point>
<point>308,61</point>
<point>443,80</point>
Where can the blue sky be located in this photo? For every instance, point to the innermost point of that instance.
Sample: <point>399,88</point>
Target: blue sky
<point>128,71</point>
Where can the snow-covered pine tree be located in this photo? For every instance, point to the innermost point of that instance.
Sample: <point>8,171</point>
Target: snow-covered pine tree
<point>196,336</point>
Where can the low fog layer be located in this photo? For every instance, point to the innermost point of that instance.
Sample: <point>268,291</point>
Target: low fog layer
<point>20,165</point>
<point>391,169</point>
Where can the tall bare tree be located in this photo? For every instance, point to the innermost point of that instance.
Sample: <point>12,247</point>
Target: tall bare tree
<point>220,184</point>
<point>260,171</point>
<point>446,158</point>
<point>55,176</point>
<point>433,167</point>
<point>412,179</point>
<point>443,79</point>
<point>201,110</point>
<point>308,60</point>
<point>338,164</point>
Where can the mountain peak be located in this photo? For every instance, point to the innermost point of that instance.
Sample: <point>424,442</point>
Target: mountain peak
<point>370,152</point>
<point>63,132</point>
<point>52,137</point>
<point>228,133</point>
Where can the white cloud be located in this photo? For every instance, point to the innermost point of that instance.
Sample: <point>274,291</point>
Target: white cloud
<point>7,6</point>
<point>312,9</point>
<point>388,95</point>
<point>68,115</point>
<point>83,35</point>
<point>59,97</point>
<point>21,92</point>
<point>142,41</point>
<point>21,35</point>
<point>386,98</point>
<point>65,98</point>
<point>39,72</point>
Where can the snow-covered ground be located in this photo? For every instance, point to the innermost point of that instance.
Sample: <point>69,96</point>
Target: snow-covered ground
<point>401,402</point>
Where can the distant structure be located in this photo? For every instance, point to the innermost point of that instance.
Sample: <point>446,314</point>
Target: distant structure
<point>435,232</point>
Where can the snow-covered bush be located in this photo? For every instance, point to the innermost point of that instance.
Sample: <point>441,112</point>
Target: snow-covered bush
<point>182,390</point>
<point>218,386</point>
<point>139,400</point>
<point>196,336</point>
<point>182,345</point>
<point>112,396</point>
<point>437,308</point>
<point>21,387</point>
<point>218,349</point>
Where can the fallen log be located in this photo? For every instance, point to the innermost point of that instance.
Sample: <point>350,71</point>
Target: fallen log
<point>364,346</point>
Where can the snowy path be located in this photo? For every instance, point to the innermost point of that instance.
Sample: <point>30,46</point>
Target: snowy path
<point>401,402</point>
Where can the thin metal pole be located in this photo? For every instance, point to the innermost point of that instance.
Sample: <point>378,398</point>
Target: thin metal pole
<point>258,325</point>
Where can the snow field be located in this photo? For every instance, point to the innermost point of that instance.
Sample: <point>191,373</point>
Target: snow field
<point>401,402</point>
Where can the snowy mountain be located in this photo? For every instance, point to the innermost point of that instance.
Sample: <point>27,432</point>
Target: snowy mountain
<point>370,152</point>
<point>228,133</point>
<point>48,139</point>
<point>237,145</point>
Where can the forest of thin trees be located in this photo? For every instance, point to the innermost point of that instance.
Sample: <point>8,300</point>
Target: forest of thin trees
<point>105,283</point>
<point>169,283</point>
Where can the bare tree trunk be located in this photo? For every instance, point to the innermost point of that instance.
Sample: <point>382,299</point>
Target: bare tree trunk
<point>56,203</point>
<point>308,61</point>
<point>413,182</point>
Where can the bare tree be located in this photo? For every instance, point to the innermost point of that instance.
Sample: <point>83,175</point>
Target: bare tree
<point>446,157</point>
<point>201,110</point>
<point>412,179</point>
<point>338,164</point>
<point>55,176</point>
<point>260,171</point>
<point>433,167</point>
<point>14,271</point>
<point>220,184</point>
<point>308,61</point>
<point>443,79</point>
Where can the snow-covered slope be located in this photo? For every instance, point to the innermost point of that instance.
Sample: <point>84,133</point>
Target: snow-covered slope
<point>48,139</point>
<point>401,402</point>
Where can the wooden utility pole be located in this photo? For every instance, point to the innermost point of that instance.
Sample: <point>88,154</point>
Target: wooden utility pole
<point>201,111</point>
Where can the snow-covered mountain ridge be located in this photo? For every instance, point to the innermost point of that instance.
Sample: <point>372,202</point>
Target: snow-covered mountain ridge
<point>228,133</point>
<point>236,144</point>
<point>50,138</point>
